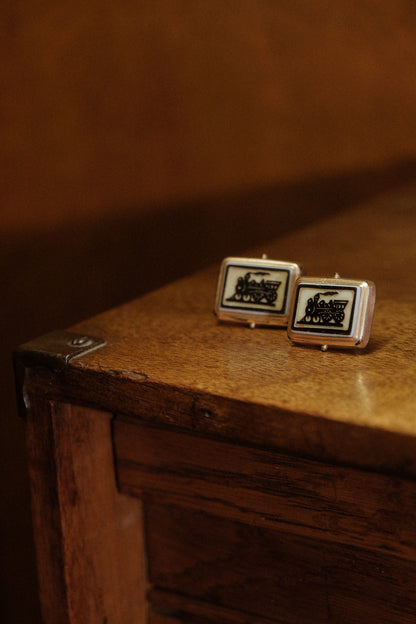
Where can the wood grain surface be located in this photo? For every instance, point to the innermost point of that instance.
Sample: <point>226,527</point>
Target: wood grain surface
<point>268,489</point>
<point>283,577</point>
<point>88,536</point>
<point>239,534</point>
<point>169,361</point>
<point>256,460</point>
<point>169,608</point>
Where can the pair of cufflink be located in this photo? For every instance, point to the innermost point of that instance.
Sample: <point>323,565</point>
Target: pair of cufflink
<point>316,310</point>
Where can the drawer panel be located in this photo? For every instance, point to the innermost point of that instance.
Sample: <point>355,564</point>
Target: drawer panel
<point>268,489</point>
<point>169,608</point>
<point>276,576</point>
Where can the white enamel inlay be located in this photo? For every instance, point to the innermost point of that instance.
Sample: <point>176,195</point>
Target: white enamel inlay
<point>328,307</point>
<point>256,288</point>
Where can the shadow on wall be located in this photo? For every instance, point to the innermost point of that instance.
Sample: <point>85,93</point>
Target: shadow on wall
<point>53,280</point>
<point>63,276</point>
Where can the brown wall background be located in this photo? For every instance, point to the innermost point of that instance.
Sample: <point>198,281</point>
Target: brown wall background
<point>141,140</point>
<point>138,103</point>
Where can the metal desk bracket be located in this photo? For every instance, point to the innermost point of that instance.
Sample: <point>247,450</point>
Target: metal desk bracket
<point>54,351</point>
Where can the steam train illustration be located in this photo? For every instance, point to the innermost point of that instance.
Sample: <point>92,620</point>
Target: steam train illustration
<point>249,290</point>
<point>319,311</point>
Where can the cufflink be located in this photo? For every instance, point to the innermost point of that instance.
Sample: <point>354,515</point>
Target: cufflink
<point>256,291</point>
<point>332,312</point>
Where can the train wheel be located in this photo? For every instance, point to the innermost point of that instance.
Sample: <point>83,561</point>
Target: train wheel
<point>316,318</point>
<point>240,285</point>
<point>246,298</point>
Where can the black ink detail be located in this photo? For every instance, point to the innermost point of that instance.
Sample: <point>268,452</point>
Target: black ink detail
<point>251,291</point>
<point>321,312</point>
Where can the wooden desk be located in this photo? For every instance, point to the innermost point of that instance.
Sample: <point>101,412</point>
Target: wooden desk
<point>193,471</point>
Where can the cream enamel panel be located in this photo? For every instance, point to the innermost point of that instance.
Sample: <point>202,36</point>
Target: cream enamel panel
<point>255,288</point>
<point>325,308</point>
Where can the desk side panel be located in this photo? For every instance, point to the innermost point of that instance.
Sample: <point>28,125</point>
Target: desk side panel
<point>88,536</point>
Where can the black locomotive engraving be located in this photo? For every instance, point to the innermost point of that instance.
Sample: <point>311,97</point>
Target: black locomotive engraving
<point>250,290</point>
<point>321,312</point>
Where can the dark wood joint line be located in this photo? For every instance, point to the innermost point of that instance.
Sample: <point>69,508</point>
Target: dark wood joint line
<point>54,351</point>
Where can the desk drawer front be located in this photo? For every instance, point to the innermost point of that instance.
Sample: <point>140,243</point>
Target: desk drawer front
<point>257,534</point>
<point>275,576</point>
<point>268,489</point>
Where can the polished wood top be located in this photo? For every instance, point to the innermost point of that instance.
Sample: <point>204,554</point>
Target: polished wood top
<point>168,360</point>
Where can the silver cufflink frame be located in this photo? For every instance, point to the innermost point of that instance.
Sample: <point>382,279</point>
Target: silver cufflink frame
<point>332,312</point>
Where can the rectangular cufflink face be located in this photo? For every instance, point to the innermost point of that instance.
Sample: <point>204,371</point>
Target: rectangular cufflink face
<point>255,290</point>
<point>332,311</point>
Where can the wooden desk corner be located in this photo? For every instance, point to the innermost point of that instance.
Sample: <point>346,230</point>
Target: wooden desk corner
<point>198,471</point>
